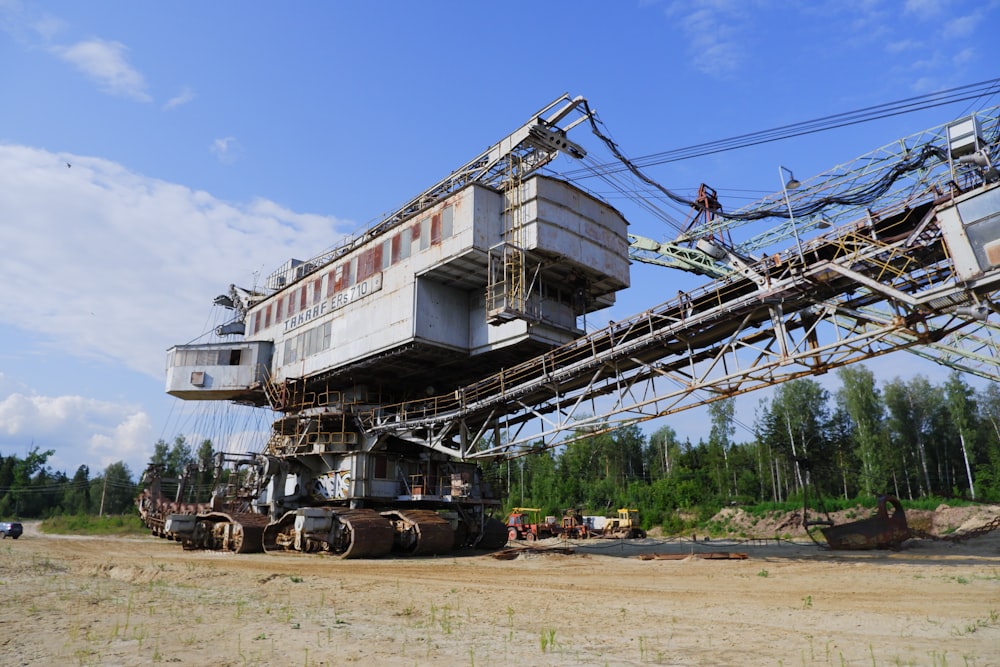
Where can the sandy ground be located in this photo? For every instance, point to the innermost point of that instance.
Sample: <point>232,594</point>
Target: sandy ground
<point>136,601</point>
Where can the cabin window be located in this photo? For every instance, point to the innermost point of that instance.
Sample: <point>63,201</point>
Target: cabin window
<point>208,357</point>
<point>425,235</point>
<point>366,263</point>
<point>404,244</point>
<point>307,343</point>
<point>447,222</point>
<point>395,249</point>
<point>340,280</point>
<point>436,229</point>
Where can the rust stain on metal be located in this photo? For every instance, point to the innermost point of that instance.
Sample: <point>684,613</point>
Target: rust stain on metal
<point>882,531</point>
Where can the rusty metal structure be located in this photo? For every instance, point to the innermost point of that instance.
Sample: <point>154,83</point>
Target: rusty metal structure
<point>449,334</point>
<point>883,530</point>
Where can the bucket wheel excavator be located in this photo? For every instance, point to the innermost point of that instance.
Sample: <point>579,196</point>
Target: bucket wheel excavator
<point>449,334</point>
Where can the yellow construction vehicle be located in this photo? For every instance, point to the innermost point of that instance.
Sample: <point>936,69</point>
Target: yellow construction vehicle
<point>626,524</point>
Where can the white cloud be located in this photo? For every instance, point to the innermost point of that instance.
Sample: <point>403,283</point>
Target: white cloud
<point>129,440</point>
<point>963,57</point>
<point>77,428</point>
<point>25,25</point>
<point>105,63</point>
<point>716,31</point>
<point>48,27</point>
<point>924,84</point>
<point>902,46</point>
<point>963,26</point>
<point>111,267</point>
<point>108,264</point>
<point>180,99</point>
<point>226,149</point>
<point>925,9</point>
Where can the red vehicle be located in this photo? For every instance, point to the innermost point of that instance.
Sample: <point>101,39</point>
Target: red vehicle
<point>523,524</point>
<point>573,525</point>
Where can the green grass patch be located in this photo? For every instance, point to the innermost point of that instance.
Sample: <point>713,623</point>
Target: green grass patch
<point>82,524</point>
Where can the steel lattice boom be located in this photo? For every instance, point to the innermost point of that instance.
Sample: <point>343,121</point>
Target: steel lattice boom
<point>450,332</point>
<point>883,282</point>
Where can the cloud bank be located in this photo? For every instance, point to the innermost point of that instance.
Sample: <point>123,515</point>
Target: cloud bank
<point>113,267</point>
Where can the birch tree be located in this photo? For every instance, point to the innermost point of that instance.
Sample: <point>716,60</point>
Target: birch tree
<point>862,402</point>
<point>961,409</point>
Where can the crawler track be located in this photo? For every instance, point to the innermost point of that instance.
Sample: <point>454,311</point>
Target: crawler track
<point>240,533</point>
<point>420,532</point>
<point>370,535</point>
<point>360,533</point>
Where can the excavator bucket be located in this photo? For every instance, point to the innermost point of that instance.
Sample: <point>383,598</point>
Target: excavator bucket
<point>882,531</point>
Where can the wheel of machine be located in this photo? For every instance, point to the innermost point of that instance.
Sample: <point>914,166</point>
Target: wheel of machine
<point>529,536</point>
<point>511,534</point>
<point>420,532</point>
<point>280,535</point>
<point>238,538</point>
<point>241,533</point>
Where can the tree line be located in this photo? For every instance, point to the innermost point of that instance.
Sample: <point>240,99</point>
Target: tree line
<point>30,489</point>
<point>910,438</point>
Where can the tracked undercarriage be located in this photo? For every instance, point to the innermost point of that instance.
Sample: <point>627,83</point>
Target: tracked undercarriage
<point>334,530</point>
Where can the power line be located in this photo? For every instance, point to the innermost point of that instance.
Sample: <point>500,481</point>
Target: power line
<point>965,93</point>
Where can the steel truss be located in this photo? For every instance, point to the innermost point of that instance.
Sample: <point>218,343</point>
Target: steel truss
<point>880,284</point>
<point>865,174</point>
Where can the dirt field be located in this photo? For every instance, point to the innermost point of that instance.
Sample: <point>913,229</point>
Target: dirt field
<point>136,601</point>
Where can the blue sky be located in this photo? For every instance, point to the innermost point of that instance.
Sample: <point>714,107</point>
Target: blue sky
<point>210,142</point>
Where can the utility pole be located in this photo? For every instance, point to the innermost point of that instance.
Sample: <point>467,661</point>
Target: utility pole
<point>104,490</point>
